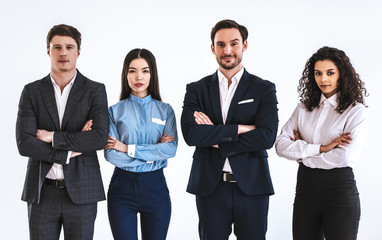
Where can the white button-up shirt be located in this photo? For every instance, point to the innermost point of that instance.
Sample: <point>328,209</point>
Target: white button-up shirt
<point>57,172</point>
<point>226,95</point>
<point>320,127</point>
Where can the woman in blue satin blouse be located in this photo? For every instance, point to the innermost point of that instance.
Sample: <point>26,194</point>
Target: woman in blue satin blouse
<point>143,136</point>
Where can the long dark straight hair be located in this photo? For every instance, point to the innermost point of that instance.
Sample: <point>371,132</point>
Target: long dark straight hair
<point>153,88</point>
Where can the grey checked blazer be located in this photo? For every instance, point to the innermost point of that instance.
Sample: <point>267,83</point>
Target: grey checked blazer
<point>38,110</point>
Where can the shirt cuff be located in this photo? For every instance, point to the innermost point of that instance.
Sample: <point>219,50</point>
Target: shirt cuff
<point>313,150</point>
<point>68,158</point>
<point>53,140</point>
<point>131,150</point>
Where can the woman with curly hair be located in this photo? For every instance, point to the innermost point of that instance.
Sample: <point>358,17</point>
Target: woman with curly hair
<point>324,135</point>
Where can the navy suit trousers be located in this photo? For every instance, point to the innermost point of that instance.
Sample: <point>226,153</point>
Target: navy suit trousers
<point>145,193</point>
<point>228,205</point>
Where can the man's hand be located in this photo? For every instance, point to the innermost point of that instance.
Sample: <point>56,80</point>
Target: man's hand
<point>86,127</point>
<point>201,118</point>
<point>44,135</point>
<point>245,128</point>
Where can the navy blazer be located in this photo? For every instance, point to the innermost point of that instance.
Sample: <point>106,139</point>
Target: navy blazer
<point>38,110</point>
<point>254,103</point>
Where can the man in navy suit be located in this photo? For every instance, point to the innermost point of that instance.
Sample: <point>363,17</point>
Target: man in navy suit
<point>231,118</point>
<point>61,122</point>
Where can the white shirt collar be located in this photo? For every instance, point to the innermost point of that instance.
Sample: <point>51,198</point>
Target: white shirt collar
<point>235,78</point>
<point>71,81</point>
<point>332,100</point>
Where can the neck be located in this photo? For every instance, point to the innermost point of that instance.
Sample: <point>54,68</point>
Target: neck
<point>63,78</point>
<point>140,95</point>
<point>229,73</point>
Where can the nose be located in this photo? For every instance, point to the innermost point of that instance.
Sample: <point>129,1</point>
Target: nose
<point>227,49</point>
<point>63,52</point>
<point>324,77</point>
<point>139,76</point>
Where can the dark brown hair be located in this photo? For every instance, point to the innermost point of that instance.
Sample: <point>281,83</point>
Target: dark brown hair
<point>350,89</point>
<point>153,88</point>
<point>64,30</point>
<point>227,23</point>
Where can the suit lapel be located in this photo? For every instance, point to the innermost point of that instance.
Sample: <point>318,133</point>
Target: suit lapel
<point>215,98</point>
<point>240,90</point>
<point>74,96</point>
<point>47,93</point>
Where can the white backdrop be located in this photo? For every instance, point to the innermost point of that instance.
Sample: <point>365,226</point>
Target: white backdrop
<point>282,36</point>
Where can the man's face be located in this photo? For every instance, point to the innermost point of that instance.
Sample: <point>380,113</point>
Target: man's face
<point>63,53</point>
<point>228,48</point>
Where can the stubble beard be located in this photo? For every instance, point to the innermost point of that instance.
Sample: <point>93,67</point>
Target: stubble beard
<point>231,65</point>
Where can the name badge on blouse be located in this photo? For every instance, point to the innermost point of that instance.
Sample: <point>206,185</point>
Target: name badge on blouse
<point>158,121</point>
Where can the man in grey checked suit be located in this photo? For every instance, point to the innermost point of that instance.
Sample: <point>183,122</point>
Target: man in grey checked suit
<point>61,122</point>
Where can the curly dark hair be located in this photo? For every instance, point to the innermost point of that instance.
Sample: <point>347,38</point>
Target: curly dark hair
<point>350,88</point>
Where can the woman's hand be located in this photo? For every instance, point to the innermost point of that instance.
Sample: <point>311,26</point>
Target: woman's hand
<point>343,140</point>
<point>166,138</point>
<point>113,143</point>
<point>296,135</point>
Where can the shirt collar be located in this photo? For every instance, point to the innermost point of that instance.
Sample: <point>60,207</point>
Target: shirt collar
<point>71,81</point>
<point>134,98</point>
<point>332,100</point>
<point>235,78</point>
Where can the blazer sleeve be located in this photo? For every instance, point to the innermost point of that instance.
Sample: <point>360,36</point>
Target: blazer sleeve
<point>203,135</point>
<point>266,122</point>
<point>95,139</point>
<point>26,128</point>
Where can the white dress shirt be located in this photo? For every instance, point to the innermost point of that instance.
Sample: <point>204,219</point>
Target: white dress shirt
<point>320,127</point>
<point>226,95</point>
<point>57,172</point>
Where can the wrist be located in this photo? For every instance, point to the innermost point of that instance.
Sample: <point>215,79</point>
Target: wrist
<point>323,149</point>
<point>51,137</point>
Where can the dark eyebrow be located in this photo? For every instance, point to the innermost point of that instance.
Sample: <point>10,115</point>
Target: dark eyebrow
<point>234,40</point>
<point>135,68</point>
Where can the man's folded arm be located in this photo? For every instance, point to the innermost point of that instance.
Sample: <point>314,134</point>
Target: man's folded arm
<point>203,135</point>
<point>27,142</point>
<point>94,139</point>
<point>266,122</point>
